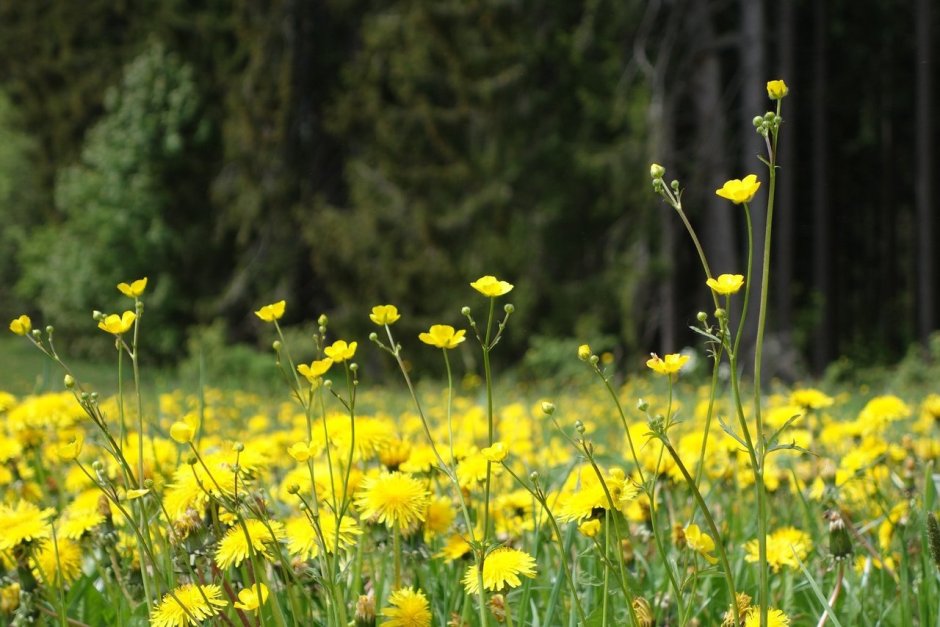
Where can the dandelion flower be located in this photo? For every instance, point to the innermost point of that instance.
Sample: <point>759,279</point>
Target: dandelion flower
<point>302,536</point>
<point>393,498</point>
<point>726,284</point>
<point>443,336</point>
<point>22,325</point>
<point>775,618</point>
<point>234,547</point>
<point>501,568</point>
<point>64,568</point>
<point>810,398</point>
<point>490,286</point>
<point>117,325</point>
<point>134,289</point>
<point>23,523</point>
<point>740,190</point>
<point>190,602</point>
<point>250,599</point>
<point>408,608</point>
<point>272,312</point>
<point>340,351</point>
<point>384,314</point>
<point>784,546</point>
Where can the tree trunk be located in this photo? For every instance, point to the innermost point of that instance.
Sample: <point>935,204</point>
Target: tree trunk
<point>822,340</point>
<point>924,158</point>
<point>786,148</point>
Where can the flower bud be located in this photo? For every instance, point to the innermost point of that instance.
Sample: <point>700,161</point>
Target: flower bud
<point>293,488</point>
<point>50,329</point>
<point>548,408</point>
<point>97,315</point>
<point>464,311</point>
<point>327,383</point>
<point>674,185</point>
<point>323,320</point>
<point>534,476</point>
<point>594,359</point>
<point>579,426</point>
<point>373,337</point>
<point>840,544</point>
<point>276,345</point>
<point>238,447</point>
<point>584,352</point>
<point>69,382</point>
<point>642,404</point>
<point>657,171</point>
<point>701,316</point>
<point>757,121</point>
<point>353,367</point>
<point>721,314</point>
<point>509,308</point>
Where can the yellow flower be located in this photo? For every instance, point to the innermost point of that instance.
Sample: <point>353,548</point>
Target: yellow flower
<point>340,351</point>
<point>250,599</point>
<point>490,286</point>
<point>408,608</point>
<point>670,364</point>
<point>316,369</point>
<point>300,451</point>
<point>182,432</point>
<point>392,498</point>
<point>23,523</point>
<point>775,618</point>
<point>584,352</point>
<point>784,546</point>
<point>384,314</point>
<point>303,541</point>
<point>776,90</point>
<point>135,289</point>
<point>501,568</point>
<point>590,528</point>
<point>202,602</point>
<point>726,284</point>
<point>58,563</point>
<point>22,325</point>
<point>443,336</point>
<point>233,548</point>
<point>700,542</point>
<point>70,450</point>
<point>136,493</point>
<point>118,324</point>
<point>810,398</point>
<point>495,453</point>
<point>272,312</point>
<point>738,191</point>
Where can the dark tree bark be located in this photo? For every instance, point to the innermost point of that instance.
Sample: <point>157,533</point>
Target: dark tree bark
<point>783,247</point>
<point>822,338</point>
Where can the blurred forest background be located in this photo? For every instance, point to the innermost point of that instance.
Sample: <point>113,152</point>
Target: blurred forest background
<point>346,153</point>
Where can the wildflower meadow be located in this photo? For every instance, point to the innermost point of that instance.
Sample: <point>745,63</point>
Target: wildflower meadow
<point>455,499</point>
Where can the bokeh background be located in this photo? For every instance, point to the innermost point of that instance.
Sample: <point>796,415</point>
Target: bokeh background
<point>346,153</point>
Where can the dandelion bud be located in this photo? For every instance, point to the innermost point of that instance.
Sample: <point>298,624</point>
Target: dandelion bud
<point>701,316</point>
<point>840,544</point>
<point>238,447</point>
<point>643,611</point>
<point>94,397</point>
<point>548,408</point>
<point>757,121</point>
<point>642,404</point>
<point>509,308</point>
<point>464,311</point>
<point>365,611</point>
<point>373,337</point>
<point>657,172</point>
<point>276,345</point>
<point>323,320</point>
<point>579,426</point>
<point>69,382</point>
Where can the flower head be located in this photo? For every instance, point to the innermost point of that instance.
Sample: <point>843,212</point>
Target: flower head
<point>251,599</point>
<point>407,608</point>
<point>22,325</point>
<point>496,453</point>
<point>135,289</point>
<point>234,549</point>
<point>116,324</point>
<point>23,523</point>
<point>315,371</point>
<point>384,314</point>
<point>182,432</point>
<point>775,618</point>
<point>443,336</point>
<point>340,351</point>
<point>272,312</point>
<point>726,284</point>
<point>501,568</point>
<point>776,90</point>
<point>201,602</point>
<point>393,498</point>
<point>738,190</point>
<point>700,542</point>
<point>490,286</point>
<point>670,364</point>
<point>70,450</point>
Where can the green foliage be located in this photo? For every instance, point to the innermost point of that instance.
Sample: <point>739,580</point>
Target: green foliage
<point>119,203</point>
<point>214,361</point>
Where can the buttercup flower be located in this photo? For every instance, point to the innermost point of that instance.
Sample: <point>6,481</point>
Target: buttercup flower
<point>250,599</point>
<point>70,450</point>
<point>443,336</point>
<point>738,190</point>
<point>182,432</point>
<point>22,325</point>
<point>384,314</point>
<point>340,351</point>
<point>700,542</point>
<point>316,369</point>
<point>272,312</point>
<point>776,90</point>
<point>726,284</point>
<point>495,453</point>
<point>134,289</point>
<point>118,325</point>
<point>490,286</point>
<point>669,364</point>
<point>584,352</point>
